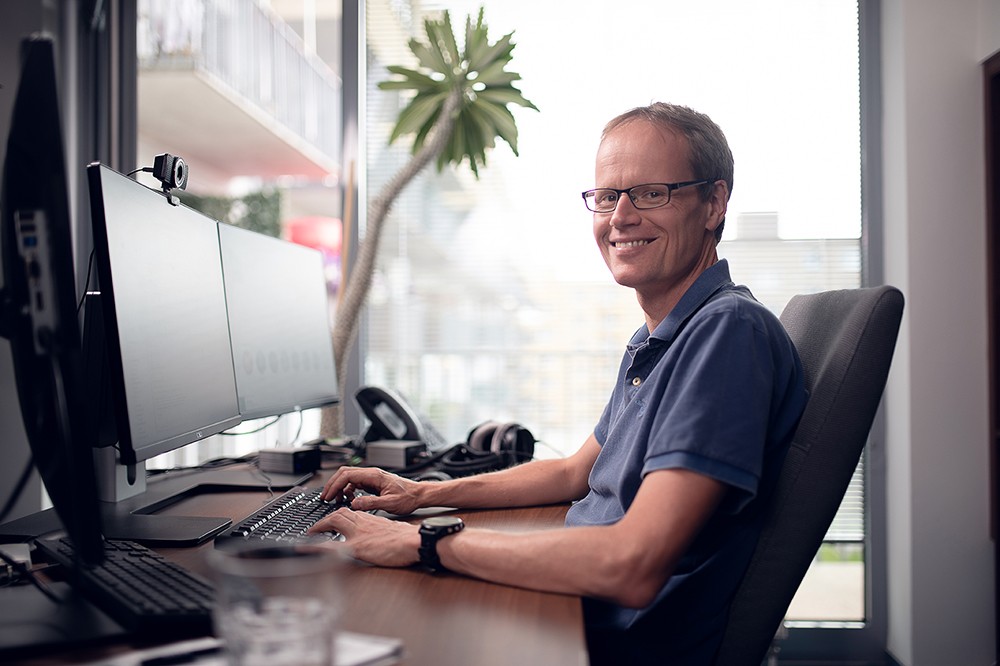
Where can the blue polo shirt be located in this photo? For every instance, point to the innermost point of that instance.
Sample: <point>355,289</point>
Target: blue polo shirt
<point>718,389</point>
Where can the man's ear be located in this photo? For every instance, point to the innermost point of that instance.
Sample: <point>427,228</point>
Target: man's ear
<point>718,203</point>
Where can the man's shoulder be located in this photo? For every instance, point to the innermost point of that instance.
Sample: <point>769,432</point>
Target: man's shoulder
<point>737,302</point>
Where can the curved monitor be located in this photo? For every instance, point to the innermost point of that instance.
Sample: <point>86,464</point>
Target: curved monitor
<point>279,323</point>
<point>166,329</point>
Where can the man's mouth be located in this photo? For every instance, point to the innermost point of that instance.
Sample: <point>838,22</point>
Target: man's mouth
<point>624,244</point>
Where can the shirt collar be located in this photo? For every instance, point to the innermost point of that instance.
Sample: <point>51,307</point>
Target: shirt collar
<point>712,279</point>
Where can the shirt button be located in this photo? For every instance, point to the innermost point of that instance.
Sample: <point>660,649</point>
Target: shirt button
<point>636,381</point>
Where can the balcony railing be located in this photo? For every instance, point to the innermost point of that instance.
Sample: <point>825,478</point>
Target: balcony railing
<point>252,52</point>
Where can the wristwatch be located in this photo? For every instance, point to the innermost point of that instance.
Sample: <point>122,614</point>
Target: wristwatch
<point>432,530</point>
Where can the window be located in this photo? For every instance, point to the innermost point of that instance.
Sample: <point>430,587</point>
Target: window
<point>491,301</point>
<point>251,99</point>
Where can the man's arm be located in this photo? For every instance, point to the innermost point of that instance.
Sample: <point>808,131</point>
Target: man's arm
<point>627,562</point>
<point>529,484</point>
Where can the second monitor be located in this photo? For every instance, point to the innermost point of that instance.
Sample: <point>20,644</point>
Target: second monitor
<point>279,324</point>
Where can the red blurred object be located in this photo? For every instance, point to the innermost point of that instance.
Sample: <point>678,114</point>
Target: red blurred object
<point>325,234</point>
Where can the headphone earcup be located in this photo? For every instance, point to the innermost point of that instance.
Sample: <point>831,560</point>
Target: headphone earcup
<point>513,443</point>
<point>481,437</point>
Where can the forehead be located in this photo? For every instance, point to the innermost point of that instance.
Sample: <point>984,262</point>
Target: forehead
<point>640,151</point>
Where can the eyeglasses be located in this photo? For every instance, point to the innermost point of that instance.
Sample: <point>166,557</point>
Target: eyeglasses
<point>646,196</point>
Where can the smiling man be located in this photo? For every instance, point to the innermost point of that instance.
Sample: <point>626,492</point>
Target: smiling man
<point>667,489</point>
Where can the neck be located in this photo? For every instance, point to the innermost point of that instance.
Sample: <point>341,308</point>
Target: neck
<point>656,305</point>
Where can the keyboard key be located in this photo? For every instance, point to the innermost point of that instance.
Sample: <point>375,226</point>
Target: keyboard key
<point>139,588</point>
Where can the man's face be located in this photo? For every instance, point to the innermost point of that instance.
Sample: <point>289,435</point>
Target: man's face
<point>658,251</point>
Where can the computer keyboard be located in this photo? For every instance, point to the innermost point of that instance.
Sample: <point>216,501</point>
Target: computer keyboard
<point>139,588</point>
<point>285,518</point>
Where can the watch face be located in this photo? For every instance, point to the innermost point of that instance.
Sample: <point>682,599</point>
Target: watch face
<point>442,521</point>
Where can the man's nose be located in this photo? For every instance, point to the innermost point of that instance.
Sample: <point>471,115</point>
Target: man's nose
<point>625,213</point>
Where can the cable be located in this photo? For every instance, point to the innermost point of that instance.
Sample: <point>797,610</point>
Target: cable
<point>466,461</point>
<point>298,431</point>
<point>457,449</point>
<point>551,448</point>
<point>345,453</point>
<point>208,464</point>
<point>23,570</point>
<point>255,466</point>
<point>461,460</point>
<point>230,433</point>
<point>86,284</point>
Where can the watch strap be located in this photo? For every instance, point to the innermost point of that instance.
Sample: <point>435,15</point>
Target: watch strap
<point>429,537</point>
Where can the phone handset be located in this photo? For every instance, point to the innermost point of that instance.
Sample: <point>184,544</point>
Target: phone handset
<point>391,417</point>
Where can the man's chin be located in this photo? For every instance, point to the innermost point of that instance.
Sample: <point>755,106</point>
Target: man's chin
<point>626,278</point>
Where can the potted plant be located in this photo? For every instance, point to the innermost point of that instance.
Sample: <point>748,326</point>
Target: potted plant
<point>458,111</point>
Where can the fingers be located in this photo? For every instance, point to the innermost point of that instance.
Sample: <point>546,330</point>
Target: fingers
<point>340,521</point>
<point>389,492</point>
<point>346,522</point>
<point>373,539</point>
<point>369,502</point>
<point>346,479</point>
<point>334,486</point>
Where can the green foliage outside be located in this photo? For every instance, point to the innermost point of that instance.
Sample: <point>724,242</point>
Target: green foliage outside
<point>258,211</point>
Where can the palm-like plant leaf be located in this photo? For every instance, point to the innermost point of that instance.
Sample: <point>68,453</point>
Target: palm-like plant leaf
<point>487,54</point>
<point>412,80</point>
<point>479,73</point>
<point>500,119</point>
<point>458,109</point>
<point>423,110</point>
<point>504,96</point>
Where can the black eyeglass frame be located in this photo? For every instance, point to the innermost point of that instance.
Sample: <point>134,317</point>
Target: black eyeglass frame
<point>635,202</point>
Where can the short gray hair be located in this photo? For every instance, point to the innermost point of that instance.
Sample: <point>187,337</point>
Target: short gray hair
<point>709,154</point>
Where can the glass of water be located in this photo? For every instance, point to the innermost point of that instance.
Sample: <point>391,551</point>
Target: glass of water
<point>278,604</point>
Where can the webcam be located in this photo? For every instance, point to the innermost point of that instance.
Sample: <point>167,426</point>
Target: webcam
<point>171,171</point>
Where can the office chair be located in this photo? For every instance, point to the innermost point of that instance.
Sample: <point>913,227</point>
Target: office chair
<point>845,339</point>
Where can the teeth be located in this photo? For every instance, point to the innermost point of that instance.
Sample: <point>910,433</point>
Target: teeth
<point>631,244</point>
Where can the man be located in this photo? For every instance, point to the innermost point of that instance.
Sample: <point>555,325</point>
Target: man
<point>667,488</point>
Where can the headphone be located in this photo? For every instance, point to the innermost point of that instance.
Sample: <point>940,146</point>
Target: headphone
<point>510,443</point>
<point>490,446</point>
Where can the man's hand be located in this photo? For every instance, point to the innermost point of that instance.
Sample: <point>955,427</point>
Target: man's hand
<point>390,492</point>
<point>379,541</point>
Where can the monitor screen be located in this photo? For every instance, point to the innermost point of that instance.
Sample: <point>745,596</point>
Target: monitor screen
<point>279,322</point>
<point>38,301</point>
<point>169,355</point>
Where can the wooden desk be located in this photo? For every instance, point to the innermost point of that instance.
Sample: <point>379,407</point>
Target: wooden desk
<point>442,619</point>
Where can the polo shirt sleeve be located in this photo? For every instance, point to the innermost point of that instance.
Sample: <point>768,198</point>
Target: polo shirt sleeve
<point>715,404</point>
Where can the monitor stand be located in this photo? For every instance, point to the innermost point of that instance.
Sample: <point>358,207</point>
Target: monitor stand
<point>136,518</point>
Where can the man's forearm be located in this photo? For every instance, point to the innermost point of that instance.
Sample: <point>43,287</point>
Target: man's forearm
<point>529,484</point>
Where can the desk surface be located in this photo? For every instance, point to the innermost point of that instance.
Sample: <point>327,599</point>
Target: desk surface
<point>442,619</point>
